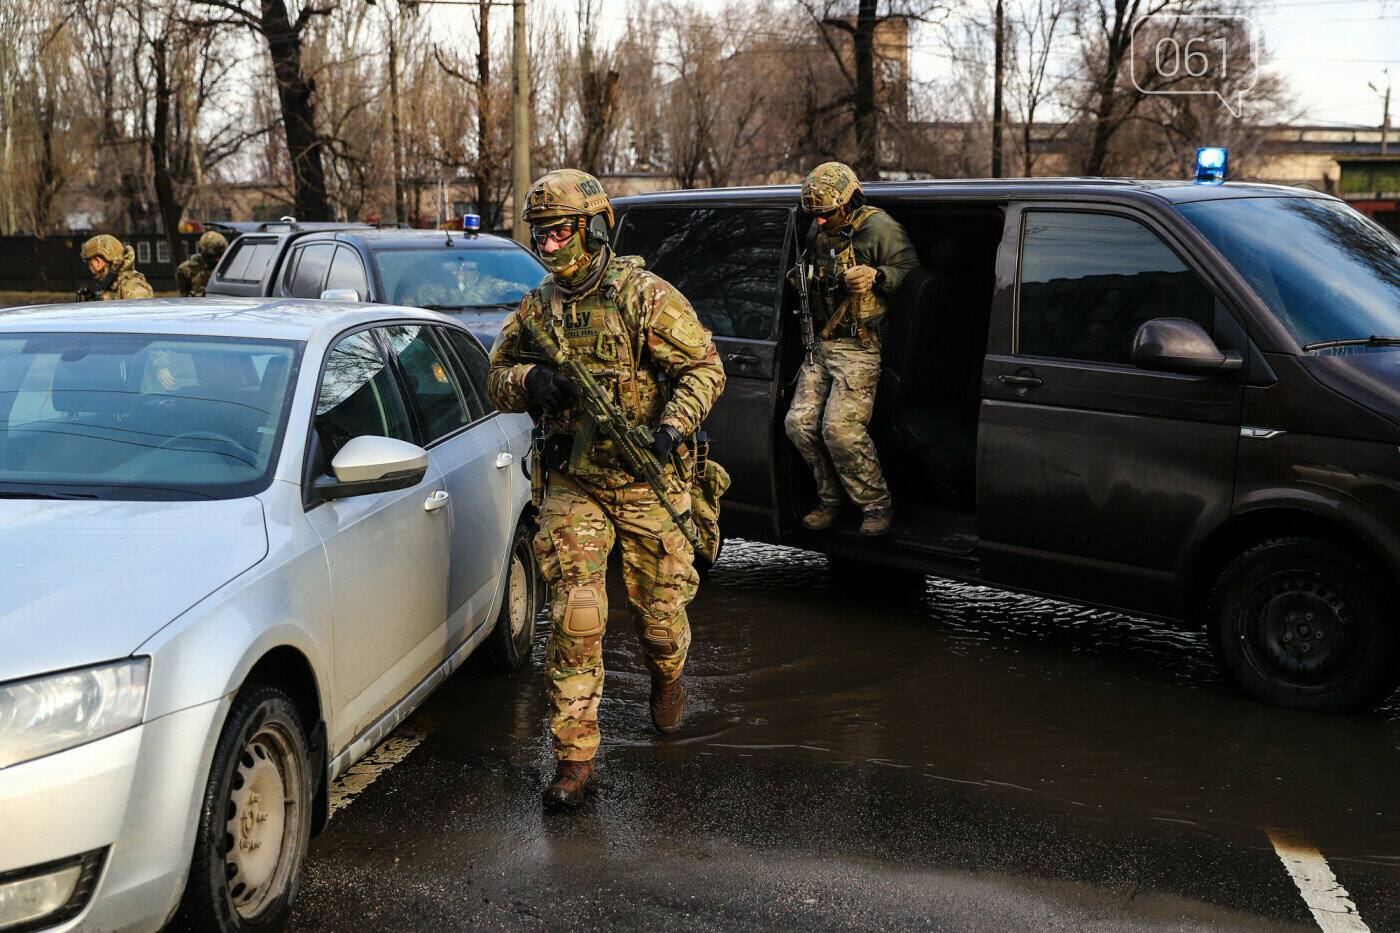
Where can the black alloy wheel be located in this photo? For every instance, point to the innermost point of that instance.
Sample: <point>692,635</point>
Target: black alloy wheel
<point>509,646</point>
<point>255,822</point>
<point>1297,622</point>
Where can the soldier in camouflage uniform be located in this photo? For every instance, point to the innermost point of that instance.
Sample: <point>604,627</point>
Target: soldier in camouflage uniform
<point>192,275</point>
<point>113,268</point>
<point>641,341</point>
<point>856,260</point>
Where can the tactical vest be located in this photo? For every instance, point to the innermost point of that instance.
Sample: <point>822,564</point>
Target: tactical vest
<point>605,336</point>
<point>830,255</point>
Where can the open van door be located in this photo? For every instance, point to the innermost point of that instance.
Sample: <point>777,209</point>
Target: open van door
<point>728,262</point>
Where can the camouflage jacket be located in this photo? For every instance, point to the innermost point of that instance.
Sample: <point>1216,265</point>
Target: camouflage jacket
<point>641,341</point>
<point>874,239</point>
<point>192,276</point>
<point>128,282</point>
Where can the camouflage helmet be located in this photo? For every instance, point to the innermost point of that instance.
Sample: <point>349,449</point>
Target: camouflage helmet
<point>212,245</point>
<point>829,187</point>
<point>564,193</point>
<point>106,246</point>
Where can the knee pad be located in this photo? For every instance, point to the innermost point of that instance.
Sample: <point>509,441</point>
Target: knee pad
<point>660,638</point>
<point>585,611</point>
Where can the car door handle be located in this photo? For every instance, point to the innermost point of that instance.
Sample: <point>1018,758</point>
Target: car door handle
<point>437,500</point>
<point>1021,382</point>
<point>746,358</point>
<point>504,460</point>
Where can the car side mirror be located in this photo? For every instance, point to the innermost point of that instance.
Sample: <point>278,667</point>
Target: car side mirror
<point>369,464</point>
<point>1177,345</point>
<point>340,294</point>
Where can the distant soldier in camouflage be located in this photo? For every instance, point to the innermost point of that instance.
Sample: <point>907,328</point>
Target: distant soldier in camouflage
<point>640,339</point>
<point>113,268</point>
<point>856,260</point>
<point>192,275</point>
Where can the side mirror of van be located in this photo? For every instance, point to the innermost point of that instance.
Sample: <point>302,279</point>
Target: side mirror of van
<point>340,294</point>
<point>369,464</point>
<point>1176,345</point>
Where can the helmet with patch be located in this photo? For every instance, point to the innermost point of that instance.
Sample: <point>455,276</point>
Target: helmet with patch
<point>212,245</point>
<point>830,187</point>
<point>106,246</point>
<point>565,193</point>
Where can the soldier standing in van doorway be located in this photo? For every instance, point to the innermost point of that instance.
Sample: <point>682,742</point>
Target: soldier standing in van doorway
<point>192,276</point>
<point>642,343</point>
<point>855,262</point>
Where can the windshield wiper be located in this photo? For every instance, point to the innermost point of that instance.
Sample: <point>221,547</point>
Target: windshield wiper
<point>444,308</point>
<point>49,495</point>
<point>1372,341</point>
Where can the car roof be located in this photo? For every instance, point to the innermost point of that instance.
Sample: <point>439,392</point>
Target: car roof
<point>279,318</point>
<point>392,239</point>
<point>999,189</point>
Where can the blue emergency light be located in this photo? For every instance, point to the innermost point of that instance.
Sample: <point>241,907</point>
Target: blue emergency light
<point>471,222</point>
<point>1211,165</point>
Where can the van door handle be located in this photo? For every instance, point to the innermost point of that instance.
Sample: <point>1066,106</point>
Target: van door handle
<point>504,460</point>
<point>1021,382</point>
<point>437,500</point>
<point>747,358</point>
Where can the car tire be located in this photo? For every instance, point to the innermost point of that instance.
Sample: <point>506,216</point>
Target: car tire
<point>247,855</point>
<point>512,639</point>
<point>1298,622</point>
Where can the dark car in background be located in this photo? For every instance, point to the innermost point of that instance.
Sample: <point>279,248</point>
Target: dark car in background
<point>1175,400</point>
<point>476,278</point>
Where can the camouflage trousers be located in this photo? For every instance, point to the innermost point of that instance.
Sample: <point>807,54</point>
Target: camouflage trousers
<point>578,527</point>
<point>828,418</point>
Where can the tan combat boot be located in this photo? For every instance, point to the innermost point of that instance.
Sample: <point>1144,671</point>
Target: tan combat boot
<point>667,704</point>
<point>573,781</point>
<point>822,517</point>
<point>878,520</point>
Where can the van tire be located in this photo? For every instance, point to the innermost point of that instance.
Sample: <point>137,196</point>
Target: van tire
<point>1298,622</point>
<point>512,640</point>
<point>263,745</point>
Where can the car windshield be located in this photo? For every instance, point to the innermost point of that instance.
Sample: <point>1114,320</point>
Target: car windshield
<point>1325,270</point>
<point>458,278</point>
<point>140,416</point>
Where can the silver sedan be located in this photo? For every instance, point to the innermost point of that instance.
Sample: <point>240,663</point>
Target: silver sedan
<point>240,540</point>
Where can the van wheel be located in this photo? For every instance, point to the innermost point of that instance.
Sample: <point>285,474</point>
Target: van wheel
<point>255,822</point>
<point>1297,622</point>
<point>510,643</point>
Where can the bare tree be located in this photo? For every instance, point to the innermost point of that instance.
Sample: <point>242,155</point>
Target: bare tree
<point>597,88</point>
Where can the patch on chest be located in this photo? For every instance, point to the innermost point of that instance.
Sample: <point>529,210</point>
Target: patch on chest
<point>581,323</point>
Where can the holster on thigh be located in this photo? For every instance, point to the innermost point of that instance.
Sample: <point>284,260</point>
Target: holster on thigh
<point>585,611</point>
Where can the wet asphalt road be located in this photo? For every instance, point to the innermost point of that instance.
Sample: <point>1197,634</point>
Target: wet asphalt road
<point>933,757</point>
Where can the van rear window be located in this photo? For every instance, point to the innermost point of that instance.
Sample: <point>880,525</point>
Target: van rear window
<point>726,261</point>
<point>248,260</point>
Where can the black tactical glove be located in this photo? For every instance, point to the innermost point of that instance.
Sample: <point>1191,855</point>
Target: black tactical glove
<point>86,294</point>
<point>550,389</point>
<point>663,440</point>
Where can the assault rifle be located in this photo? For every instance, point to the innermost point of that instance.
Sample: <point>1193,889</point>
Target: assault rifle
<point>633,444</point>
<point>804,304</point>
<point>85,293</point>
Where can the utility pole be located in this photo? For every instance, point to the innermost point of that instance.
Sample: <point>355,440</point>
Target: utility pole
<point>520,141</point>
<point>1385,112</point>
<point>996,96</point>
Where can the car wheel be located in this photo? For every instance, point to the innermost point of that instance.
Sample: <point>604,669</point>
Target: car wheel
<point>1298,622</point>
<point>511,642</point>
<point>255,822</point>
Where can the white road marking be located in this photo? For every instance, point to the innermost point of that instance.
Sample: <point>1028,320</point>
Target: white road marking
<point>1331,906</point>
<point>367,770</point>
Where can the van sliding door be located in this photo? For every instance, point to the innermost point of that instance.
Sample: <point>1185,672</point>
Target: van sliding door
<point>727,262</point>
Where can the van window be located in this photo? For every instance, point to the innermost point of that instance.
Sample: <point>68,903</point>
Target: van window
<point>431,381</point>
<point>1088,281</point>
<point>248,260</point>
<point>725,261</point>
<point>357,396</point>
<point>348,272</point>
<point>304,278</point>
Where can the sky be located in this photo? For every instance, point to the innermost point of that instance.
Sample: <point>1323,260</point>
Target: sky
<point>1327,50</point>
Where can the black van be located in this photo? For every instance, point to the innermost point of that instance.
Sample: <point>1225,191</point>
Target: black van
<point>1175,400</point>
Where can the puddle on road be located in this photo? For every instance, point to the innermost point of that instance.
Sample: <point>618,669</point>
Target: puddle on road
<point>1121,717</point>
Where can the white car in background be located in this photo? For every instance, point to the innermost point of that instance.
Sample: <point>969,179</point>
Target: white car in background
<point>240,540</point>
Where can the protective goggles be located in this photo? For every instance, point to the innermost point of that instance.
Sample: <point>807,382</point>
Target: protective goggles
<point>558,232</point>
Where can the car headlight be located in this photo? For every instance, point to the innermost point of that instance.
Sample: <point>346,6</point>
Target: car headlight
<point>54,712</point>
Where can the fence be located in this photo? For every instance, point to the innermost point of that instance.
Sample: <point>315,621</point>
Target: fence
<point>55,264</point>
